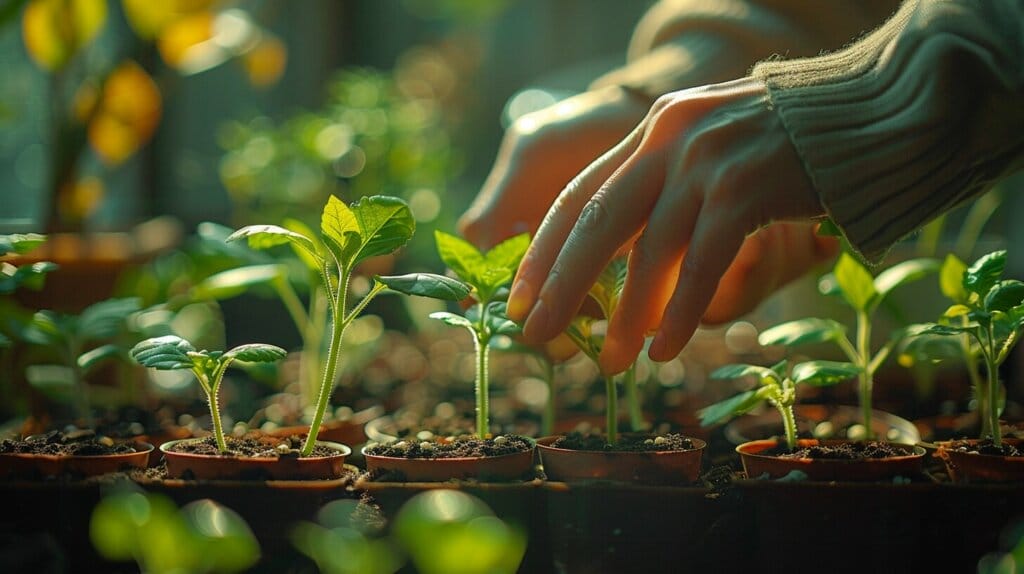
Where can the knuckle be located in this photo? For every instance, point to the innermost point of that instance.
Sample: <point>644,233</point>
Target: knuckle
<point>595,215</point>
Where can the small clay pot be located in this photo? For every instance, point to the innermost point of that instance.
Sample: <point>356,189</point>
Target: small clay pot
<point>756,464</point>
<point>23,465</point>
<point>975,467</point>
<point>506,467</point>
<point>656,467</point>
<point>219,467</point>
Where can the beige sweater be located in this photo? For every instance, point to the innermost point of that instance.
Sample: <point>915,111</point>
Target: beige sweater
<point>911,120</point>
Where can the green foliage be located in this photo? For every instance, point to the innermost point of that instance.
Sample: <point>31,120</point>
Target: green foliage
<point>20,243</point>
<point>341,542</point>
<point>485,273</point>
<point>802,332</point>
<point>427,285</point>
<point>147,528</point>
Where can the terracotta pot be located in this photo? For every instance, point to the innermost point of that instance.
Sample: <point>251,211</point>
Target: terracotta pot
<point>18,465</point>
<point>657,467</point>
<point>515,466</point>
<point>217,467</point>
<point>756,464</point>
<point>974,467</point>
<point>886,426</point>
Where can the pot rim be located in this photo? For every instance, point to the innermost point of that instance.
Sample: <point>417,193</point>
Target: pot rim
<point>916,451</point>
<point>343,451</point>
<point>943,448</point>
<point>141,447</point>
<point>531,440</point>
<point>544,443</point>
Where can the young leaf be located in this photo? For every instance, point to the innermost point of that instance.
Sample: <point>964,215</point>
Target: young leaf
<point>311,260</point>
<point>951,279</point>
<point>267,236</point>
<point>1004,296</point>
<point>902,274</point>
<point>452,319</point>
<point>824,373</point>
<point>165,353</point>
<point>91,358</point>
<point>340,230</point>
<point>20,242</point>
<point>30,276</point>
<point>385,224</point>
<point>956,311</point>
<point>608,288</point>
<point>498,322</point>
<point>855,282</point>
<point>427,285</point>
<point>735,405</point>
<point>256,353</point>
<point>985,272</point>
<point>740,371</point>
<point>460,256</point>
<point>106,318</point>
<point>802,332</point>
<point>933,329</point>
<point>508,253</point>
<point>828,228</point>
<point>234,282</point>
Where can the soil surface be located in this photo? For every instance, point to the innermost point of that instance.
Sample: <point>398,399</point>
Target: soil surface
<point>254,445</point>
<point>626,443</point>
<point>843,451</point>
<point>987,447</point>
<point>465,446</point>
<point>77,443</point>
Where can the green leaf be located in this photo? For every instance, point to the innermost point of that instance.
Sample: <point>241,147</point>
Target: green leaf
<point>933,329</point>
<point>91,358</point>
<point>802,332</point>
<point>460,256</point>
<point>31,276</point>
<point>106,318</point>
<point>508,253</point>
<point>828,228</point>
<point>732,406</point>
<point>824,373</point>
<point>46,328</point>
<point>498,322</point>
<point>256,353</point>
<point>165,353</point>
<point>234,282</point>
<point>427,285</point>
<point>1004,296</point>
<point>311,260</point>
<point>951,279</point>
<point>740,371</point>
<point>453,319</point>
<point>20,242</point>
<point>956,311</point>
<point>903,273</point>
<point>340,230</point>
<point>855,282</point>
<point>267,236</point>
<point>115,523</point>
<point>231,545</point>
<point>607,290</point>
<point>985,272</point>
<point>385,224</point>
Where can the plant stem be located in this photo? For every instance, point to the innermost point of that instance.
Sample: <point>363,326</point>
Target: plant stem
<point>788,422</point>
<point>992,368</point>
<point>611,409</point>
<point>865,377</point>
<point>636,414</point>
<point>312,346</point>
<point>338,323</point>
<point>211,399</point>
<point>980,390</point>
<point>483,420</point>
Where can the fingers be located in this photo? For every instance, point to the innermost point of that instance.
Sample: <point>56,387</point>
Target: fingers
<point>716,240</point>
<point>537,265</point>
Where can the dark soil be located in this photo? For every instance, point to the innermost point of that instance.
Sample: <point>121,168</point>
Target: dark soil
<point>465,446</point>
<point>626,443</point>
<point>254,445</point>
<point>843,451</point>
<point>78,443</point>
<point>987,447</point>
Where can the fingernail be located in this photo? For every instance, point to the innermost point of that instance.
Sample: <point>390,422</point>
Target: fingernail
<point>658,345</point>
<point>537,323</point>
<point>519,300</point>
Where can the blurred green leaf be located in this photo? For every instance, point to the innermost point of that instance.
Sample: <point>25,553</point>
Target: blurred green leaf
<point>267,236</point>
<point>230,545</point>
<point>234,282</point>
<point>427,285</point>
<point>256,353</point>
<point>1004,295</point>
<point>903,273</point>
<point>951,279</point>
<point>19,242</point>
<point>739,371</point>
<point>106,318</point>
<point>735,405</point>
<point>985,272</point>
<point>165,353</point>
<point>824,373</point>
<point>855,282</point>
<point>452,319</point>
<point>802,332</point>
<point>88,360</point>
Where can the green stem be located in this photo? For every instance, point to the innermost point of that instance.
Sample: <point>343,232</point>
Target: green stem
<point>483,421</point>
<point>547,421</point>
<point>636,415</point>
<point>788,422</point>
<point>992,368</point>
<point>865,377</point>
<point>338,323</point>
<point>980,391</point>
<point>82,403</point>
<point>612,409</point>
<point>211,399</point>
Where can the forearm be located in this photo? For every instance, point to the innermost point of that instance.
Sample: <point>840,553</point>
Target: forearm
<point>911,121</point>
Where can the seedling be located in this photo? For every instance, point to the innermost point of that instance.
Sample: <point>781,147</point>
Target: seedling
<point>989,310</point>
<point>606,292</point>
<point>171,353</point>
<point>864,293</point>
<point>375,225</point>
<point>13,278</point>
<point>776,387</point>
<point>486,275</point>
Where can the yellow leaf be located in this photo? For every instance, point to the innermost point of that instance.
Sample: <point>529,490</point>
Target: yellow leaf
<point>148,18</point>
<point>128,115</point>
<point>265,63</point>
<point>82,199</point>
<point>180,39</point>
<point>54,30</point>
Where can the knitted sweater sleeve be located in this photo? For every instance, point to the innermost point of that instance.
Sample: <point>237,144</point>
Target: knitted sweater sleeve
<point>912,120</point>
<point>684,43</point>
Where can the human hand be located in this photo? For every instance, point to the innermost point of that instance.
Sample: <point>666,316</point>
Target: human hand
<point>540,154</point>
<point>705,168</point>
